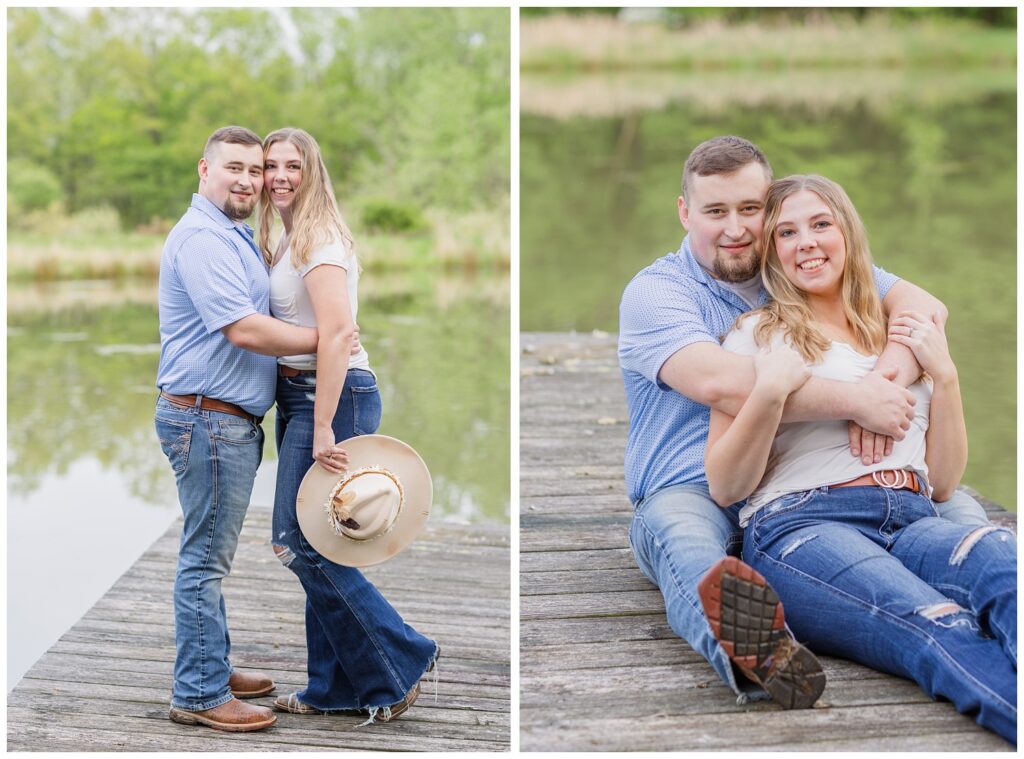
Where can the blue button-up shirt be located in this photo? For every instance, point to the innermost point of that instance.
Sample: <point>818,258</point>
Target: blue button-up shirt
<point>211,275</point>
<point>669,305</point>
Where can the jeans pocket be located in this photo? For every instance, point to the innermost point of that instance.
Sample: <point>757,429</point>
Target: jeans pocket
<point>302,382</point>
<point>175,440</point>
<point>366,409</point>
<point>781,506</point>
<point>235,429</point>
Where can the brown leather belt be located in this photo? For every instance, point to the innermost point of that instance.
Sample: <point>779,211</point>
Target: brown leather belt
<point>894,479</point>
<point>287,371</point>
<point>211,404</point>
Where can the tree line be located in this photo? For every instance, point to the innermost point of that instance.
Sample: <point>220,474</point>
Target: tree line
<point>111,107</point>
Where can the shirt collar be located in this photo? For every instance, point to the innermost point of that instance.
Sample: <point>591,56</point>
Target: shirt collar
<point>698,272</point>
<point>206,206</point>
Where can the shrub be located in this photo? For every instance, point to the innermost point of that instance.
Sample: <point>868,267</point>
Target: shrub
<point>31,187</point>
<point>389,216</point>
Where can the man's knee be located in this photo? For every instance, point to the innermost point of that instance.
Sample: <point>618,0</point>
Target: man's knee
<point>962,509</point>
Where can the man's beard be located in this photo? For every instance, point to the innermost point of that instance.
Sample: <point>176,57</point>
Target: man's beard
<point>238,211</point>
<point>735,270</point>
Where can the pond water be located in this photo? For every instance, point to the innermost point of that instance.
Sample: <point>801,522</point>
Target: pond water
<point>87,482</point>
<point>929,159</point>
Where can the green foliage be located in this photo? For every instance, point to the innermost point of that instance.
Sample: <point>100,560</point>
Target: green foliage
<point>31,187</point>
<point>380,215</point>
<point>406,103</point>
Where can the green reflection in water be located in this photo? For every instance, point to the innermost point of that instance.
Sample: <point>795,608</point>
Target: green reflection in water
<point>82,365</point>
<point>932,172</point>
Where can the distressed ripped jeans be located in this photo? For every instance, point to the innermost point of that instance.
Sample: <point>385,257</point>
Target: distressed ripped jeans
<point>678,533</point>
<point>214,457</point>
<point>361,655</point>
<point>875,576</point>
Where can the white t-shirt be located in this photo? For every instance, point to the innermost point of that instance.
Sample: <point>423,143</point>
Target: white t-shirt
<point>807,455</point>
<point>290,301</point>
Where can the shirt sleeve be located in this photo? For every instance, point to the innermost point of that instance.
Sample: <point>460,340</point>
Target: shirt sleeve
<point>658,317</point>
<point>884,281</point>
<point>214,278</point>
<point>335,254</point>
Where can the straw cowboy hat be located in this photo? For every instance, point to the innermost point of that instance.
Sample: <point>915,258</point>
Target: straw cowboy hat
<point>371,511</point>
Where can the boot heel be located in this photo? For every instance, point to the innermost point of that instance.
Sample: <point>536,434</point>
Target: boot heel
<point>183,717</point>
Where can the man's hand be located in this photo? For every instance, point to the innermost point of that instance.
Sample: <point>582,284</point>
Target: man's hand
<point>874,447</point>
<point>885,409</point>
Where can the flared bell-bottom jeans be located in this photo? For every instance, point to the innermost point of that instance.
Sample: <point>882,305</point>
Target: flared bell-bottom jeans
<point>873,575</point>
<point>361,653</point>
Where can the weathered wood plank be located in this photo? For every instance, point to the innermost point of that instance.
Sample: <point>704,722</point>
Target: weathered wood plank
<point>105,685</point>
<point>600,669</point>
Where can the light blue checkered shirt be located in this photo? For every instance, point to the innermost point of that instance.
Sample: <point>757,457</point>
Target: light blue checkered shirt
<point>211,275</point>
<point>667,306</point>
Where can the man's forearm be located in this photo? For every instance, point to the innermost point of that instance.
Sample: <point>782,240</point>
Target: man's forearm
<point>271,337</point>
<point>821,400</point>
<point>818,400</point>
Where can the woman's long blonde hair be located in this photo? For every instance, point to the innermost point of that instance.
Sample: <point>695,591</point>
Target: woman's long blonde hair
<point>788,309</point>
<point>316,220</point>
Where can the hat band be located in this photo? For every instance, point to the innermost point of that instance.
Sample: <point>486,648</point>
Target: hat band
<point>337,521</point>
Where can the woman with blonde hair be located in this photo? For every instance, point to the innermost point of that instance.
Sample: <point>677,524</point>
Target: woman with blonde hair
<point>362,657</point>
<point>866,568</point>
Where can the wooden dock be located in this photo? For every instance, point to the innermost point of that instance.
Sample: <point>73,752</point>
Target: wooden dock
<point>600,669</point>
<point>105,685</point>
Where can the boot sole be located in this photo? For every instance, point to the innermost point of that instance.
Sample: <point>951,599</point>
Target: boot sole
<point>183,717</point>
<point>747,618</point>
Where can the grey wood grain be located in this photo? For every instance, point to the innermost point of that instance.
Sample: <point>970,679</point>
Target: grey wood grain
<point>105,685</point>
<point>600,669</point>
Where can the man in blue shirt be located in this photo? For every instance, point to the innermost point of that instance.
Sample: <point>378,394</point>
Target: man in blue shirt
<point>217,377</point>
<point>671,317</point>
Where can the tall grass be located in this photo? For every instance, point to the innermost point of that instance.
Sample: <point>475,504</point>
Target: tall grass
<point>63,249</point>
<point>563,42</point>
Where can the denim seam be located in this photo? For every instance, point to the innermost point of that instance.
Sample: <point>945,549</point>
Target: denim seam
<point>917,631</point>
<point>214,515</point>
<point>698,608</point>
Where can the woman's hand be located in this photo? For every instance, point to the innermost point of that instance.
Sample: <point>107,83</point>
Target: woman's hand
<point>926,337</point>
<point>328,455</point>
<point>780,371</point>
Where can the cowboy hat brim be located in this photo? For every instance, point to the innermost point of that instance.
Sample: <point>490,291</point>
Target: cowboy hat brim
<point>366,451</point>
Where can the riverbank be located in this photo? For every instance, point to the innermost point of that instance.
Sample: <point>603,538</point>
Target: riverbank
<point>602,42</point>
<point>478,240</point>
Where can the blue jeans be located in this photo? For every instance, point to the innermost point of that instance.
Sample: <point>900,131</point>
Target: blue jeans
<point>875,576</point>
<point>214,457</point>
<point>678,533</point>
<point>360,653</point>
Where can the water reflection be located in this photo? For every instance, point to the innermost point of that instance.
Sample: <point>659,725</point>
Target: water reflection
<point>82,361</point>
<point>930,166</point>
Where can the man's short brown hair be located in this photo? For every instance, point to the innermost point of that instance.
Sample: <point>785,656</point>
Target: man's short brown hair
<point>235,135</point>
<point>722,155</point>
